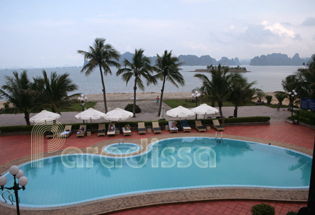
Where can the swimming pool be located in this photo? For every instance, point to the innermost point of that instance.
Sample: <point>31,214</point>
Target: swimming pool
<point>177,163</point>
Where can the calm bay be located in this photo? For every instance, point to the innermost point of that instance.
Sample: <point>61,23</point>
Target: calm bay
<point>268,78</point>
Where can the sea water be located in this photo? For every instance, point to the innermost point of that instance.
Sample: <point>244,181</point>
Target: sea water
<point>268,78</point>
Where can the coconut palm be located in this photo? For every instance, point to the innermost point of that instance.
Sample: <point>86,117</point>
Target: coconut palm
<point>218,87</point>
<point>167,68</point>
<point>241,91</point>
<point>280,95</point>
<point>18,91</point>
<point>103,56</point>
<point>138,68</point>
<point>54,91</point>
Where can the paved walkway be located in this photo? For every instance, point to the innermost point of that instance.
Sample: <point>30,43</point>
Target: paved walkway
<point>149,113</point>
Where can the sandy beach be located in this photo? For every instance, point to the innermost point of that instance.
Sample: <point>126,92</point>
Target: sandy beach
<point>152,96</point>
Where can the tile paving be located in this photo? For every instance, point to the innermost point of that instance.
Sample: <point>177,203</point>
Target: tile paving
<point>16,149</point>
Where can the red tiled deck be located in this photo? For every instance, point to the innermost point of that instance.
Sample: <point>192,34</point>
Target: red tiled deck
<point>212,207</point>
<point>14,147</point>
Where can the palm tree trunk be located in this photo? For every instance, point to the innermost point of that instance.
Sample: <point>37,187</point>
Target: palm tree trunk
<point>220,108</point>
<point>161,97</point>
<point>27,117</point>
<point>134,99</point>
<point>104,91</point>
<point>235,111</point>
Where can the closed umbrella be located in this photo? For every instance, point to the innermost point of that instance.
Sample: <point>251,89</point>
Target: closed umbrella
<point>118,114</point>
<point>90,114</point>
<point>204,109</point>
<point>180,112</point>
<point>45,116</point>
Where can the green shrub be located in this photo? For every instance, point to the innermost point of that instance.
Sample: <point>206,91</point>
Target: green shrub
<point>247,119</point>
<point>269,98</point>
<point>308,114</point>
<point>263,209</point>
<point>129,107</point>
<point>305,120</point>
<point>292,213</point>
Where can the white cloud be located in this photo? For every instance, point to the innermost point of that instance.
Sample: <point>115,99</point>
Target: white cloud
<point>278,29</point>
<point>310,21</point>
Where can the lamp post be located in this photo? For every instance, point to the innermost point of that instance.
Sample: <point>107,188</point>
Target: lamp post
<point>82,100</point>
<point>22,181</point>
<point>195,95</point>
<point>291,95</point>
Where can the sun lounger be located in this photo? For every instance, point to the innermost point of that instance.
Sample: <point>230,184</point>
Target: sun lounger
<point>126,130</point>
<point>156,128</point>
<point>172,126</point>
<point>66,132</point>
<point>141,128</point>
<point>199,126</point>
<point>217,125</point>
<point>111,129</point>
<point>101,130</point>
<point>185,126</point>
<point>82,131</point>
<point>53,132</point>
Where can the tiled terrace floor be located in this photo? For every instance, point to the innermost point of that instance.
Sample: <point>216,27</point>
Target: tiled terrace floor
<point>14,147</point>
<point>213,208</point>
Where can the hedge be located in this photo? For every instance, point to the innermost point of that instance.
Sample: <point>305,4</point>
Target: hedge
<point>134,124</point>
<point>304,116</point>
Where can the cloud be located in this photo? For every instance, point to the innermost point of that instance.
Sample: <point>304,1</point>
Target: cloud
<point>310,21</point>
<point>297,37</point>
<point>313,38</point>
<point>278,29</point>
<point>258,34</point>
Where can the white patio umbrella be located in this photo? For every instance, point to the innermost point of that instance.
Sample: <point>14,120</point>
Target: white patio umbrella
<point>118,114</point>
<point>180,112</point>
<point>45,116</point>
<point>204,109</point>
<point>90,114</point>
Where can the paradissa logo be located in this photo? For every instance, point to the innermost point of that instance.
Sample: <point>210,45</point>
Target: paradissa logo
<point>168,157</point>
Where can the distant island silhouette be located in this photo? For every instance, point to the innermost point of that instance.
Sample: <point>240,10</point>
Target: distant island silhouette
<point>274,59</point>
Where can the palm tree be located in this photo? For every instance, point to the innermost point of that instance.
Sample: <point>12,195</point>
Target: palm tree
<point>139,67</point>
<point>218,87</point>
<point>241,91</point>
<point>167,68</point>
<point>54,91</point>
<point>303,81</point>
<point>18,91</point>
<point>280,96</point>
<point>100,55</point>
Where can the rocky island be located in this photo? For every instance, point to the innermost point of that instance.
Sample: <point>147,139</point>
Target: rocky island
<point>231,69</point>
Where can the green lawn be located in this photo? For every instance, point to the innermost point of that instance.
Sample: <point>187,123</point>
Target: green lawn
<point>78,107</point>
<point>188,104</point>
<point>74,107</point>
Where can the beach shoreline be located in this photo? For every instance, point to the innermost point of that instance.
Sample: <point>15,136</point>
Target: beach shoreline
<point>152,96</point>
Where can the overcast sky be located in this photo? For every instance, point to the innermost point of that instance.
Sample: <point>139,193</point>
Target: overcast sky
<point>49,33</point>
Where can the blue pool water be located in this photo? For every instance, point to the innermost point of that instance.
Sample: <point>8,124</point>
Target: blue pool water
<point>175,163</point>
<point>121,149</point>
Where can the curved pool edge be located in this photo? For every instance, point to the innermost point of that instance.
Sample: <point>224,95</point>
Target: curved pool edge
<point>136,200</point>
<point>168,196</point>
